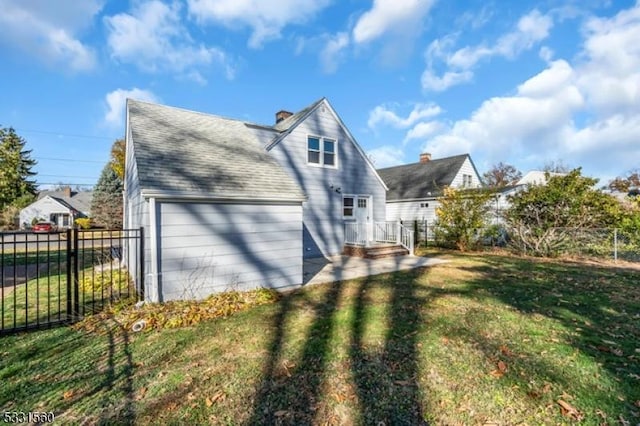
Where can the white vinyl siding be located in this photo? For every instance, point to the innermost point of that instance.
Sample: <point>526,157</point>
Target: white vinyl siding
<point>413,210</point>
<point>325,187</point>
<point>206,248</point>
<point>466,177</point>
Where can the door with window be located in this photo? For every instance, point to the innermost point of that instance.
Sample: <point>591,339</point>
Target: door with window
<point>358,209</point>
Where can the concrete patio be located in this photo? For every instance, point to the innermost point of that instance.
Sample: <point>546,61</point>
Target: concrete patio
<point>337,268</point>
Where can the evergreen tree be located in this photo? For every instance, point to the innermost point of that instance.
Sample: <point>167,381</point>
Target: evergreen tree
<point>106,205</point>
<point>15,168</point>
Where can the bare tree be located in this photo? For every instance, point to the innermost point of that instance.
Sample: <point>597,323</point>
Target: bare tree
<point>500,175</point>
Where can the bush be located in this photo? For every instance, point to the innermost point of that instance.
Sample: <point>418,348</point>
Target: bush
<point>83,223</point>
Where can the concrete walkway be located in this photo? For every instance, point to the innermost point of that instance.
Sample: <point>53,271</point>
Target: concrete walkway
<point>337,268</point>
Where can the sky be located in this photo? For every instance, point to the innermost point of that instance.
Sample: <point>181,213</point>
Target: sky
<point>521,82</point>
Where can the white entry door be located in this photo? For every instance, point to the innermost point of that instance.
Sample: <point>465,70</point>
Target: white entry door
<point>363,216</point>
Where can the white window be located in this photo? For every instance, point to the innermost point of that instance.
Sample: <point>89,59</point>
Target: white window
<point>347,206</point>
<point>322,151</point>
<point>466,181</point>
<point>362,203</point>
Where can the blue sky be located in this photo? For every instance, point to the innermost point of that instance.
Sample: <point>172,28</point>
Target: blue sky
<point>524,82</point>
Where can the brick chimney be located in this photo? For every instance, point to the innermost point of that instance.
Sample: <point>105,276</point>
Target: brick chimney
<point>282,114</point>
<point>425,157</point>
<point>67,191</point>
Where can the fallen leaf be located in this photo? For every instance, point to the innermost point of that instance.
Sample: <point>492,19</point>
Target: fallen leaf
<point>68,394</point>
<point>218,396</point>
<point>505,351</point>
<point>172,406</point>
<point>502,366</point>
<point>280,413</point>
<point>617,352</point>
<point>569,410</point>
<point>445,340</point>
<point>402,382</point>
<point>208,402</point>
<point>497,374</point>
<point>141,393</point>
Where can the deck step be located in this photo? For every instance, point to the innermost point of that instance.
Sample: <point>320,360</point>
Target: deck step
<point>377,251</point>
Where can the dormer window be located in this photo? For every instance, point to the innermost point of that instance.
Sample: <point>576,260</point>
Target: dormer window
<point>322,151</point>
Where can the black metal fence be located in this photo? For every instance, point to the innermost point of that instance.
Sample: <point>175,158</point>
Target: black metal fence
<point>58,278</point>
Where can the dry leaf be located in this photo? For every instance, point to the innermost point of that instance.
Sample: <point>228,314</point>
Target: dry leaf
<point>445,340</point>
<point>569,410</point>
<point>172,406</point>
<point>141,393</point>
<point>502,366</point>
<point>402,382</point>
<point>218,396</point>
<point>68,394</point>
<point>506,351</point>
<point>208,402</point>
<point>497,374</point>
<point>617,352</point>
<point>280,413</point>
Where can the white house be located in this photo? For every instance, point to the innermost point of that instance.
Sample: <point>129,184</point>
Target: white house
<point>414,188</point>
<point>230,204</point>
<point>59,207</point>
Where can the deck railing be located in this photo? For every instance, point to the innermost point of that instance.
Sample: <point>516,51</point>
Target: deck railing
<point>355,233</point>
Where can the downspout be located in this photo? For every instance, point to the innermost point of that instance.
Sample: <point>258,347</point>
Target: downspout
<point>153,247</point>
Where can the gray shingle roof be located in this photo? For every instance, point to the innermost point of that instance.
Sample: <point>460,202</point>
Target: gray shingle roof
<point>421,180</point>
<point>80,201</point>
<point>184,151</point>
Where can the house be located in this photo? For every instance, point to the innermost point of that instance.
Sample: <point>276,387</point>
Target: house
<point>414,188</point>
<point>227,203</point>
<point>537,177</point>
<point>60,207</point>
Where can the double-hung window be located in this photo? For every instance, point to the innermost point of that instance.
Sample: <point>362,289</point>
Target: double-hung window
<point>347,204</point>
<point>322,151</point>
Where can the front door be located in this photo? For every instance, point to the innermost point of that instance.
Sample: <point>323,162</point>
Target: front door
<point>363,216</point>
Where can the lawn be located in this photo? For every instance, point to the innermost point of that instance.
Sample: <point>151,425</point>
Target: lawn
<point>483,339</point>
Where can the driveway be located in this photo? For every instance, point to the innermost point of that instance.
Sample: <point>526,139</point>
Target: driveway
<point>337,268</point>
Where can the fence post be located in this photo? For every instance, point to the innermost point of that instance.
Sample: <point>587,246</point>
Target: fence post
<point>398,232</point>
<point>615,245</point>
<point>69,274</point>
<point>76,286</point>
<point>141,266</point>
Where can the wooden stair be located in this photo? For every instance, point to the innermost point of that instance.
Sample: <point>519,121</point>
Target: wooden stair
<point>376,251</point>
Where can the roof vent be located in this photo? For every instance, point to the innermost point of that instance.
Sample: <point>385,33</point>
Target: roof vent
<point>425,157</point>
<point>282,115</point>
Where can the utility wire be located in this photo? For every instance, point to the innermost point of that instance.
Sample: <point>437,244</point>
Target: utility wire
<point>64,134</point>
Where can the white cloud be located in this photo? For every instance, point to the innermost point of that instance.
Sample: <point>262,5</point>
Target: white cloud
<point>50,31</point>
<point>153,38</point>
<point>587,112</point>
<point>531,29</point>
<point>423,130</point>
<point>383,115</point>
<point>333,51</point>
<point>116,102</point>
<point>266,18</point>
<point>430,81</point>
<point>385,16</point>
<point>386,156</point>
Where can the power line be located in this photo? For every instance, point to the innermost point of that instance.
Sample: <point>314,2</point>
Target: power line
<point>70,159</point>
<point>44,132</point>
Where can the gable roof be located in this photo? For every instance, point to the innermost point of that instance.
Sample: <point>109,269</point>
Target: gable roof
<point>186,153</point>
<point>287,125</point>
<point>421,180</point>
<point>80,201</point>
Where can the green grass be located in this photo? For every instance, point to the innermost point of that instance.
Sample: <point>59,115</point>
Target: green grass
<point>44,300</point>
<point>481,339</point>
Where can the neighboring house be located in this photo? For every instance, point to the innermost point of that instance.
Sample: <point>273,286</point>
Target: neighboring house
<point>414,188</point>
<point>231,204</point>
<point>537,177</point>
<point>59,207</point>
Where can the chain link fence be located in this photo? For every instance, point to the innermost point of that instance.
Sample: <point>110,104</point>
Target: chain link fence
<point>600,243</point>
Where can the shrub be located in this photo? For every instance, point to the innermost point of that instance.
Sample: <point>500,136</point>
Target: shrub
<point>83,223</point>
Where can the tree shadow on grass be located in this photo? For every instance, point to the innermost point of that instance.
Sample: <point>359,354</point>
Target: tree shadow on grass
<point>75,381</point>
<point>384,380</point>
<point>597,311</point>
